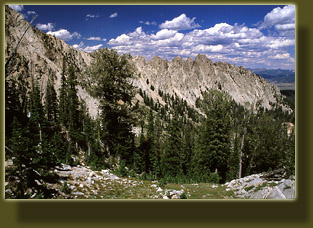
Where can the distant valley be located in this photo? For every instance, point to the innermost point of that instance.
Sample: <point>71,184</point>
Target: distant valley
<point>283,79</point>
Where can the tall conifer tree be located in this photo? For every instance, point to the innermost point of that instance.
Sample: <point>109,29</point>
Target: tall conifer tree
<point>110,75</point>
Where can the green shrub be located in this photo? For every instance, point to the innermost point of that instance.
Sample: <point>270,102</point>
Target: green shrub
<point>132,173</point>
<point>247,189</point>
<point>65,188</point>
<point>162,183</point>
<point>214,178</point>
<point>122,169</point>
<point>184,196</point>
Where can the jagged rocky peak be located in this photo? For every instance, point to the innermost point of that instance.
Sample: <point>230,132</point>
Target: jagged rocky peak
<point>187,78</point>
<point>158,62</point>
<point>202,59</point>
<point>140,60</point>
<point>44,53</point>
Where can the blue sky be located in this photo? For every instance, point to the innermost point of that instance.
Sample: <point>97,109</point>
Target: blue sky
<point>254,36</point>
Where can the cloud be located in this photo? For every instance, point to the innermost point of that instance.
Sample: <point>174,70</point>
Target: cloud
<point>281,56</point>
<point>96,38</point>
<point>64,34</point>
<point>113,15</point>
<point>280,18</point>
<point>276,43</point>
<point>148,22</point>
<point>81,46</point>
<point>237,44</point>
<point>208,48</point>
<point>164,34</point>
<point>181,22</point>
<point>120,40</point>
<point>91,15</point>
<point>31,12</point>
<point>45,27</point>
<point>18,8</point>
<point>88,16</point>
<point>285,26</point>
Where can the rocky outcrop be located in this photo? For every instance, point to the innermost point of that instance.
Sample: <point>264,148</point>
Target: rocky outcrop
<point>259,186</point>
<point>40,56</point>
<point>187,78</point>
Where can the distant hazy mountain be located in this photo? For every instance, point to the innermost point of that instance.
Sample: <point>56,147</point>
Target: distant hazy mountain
<point>284,79</point>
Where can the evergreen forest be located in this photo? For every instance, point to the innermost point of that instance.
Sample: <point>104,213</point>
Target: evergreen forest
<point>215,141</point>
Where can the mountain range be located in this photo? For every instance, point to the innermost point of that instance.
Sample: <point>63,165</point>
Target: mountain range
<point>41,54</point>
<point>284,79</point>
<point>77,123</point>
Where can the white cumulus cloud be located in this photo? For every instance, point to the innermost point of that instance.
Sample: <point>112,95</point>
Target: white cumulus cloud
<point>237,44</point>
<point>281,56</point>
<point>31,12</point>
<point>88,16</point>
<point>181,22</point>
<point>64,34</point>
<point>81,46</point>
<point>113,15</point>
<point>148,22</point>
<point>97,38</point>
<point>208,48</point>
<point>45,27</point>
<point>280,18</point>
<point>164,34</point>
<point>285,27</point>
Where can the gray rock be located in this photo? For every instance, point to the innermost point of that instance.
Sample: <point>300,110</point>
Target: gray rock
<point>284,189</point>
<point>290,193</point>
<point>276,193</point>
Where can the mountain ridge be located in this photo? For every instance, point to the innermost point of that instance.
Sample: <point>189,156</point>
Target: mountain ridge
<point>44,54</point>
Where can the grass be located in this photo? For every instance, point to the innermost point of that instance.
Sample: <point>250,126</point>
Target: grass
<point>247,189</point>
<point>273,184</point>
<point>203,191</point>
<point>132,188</point>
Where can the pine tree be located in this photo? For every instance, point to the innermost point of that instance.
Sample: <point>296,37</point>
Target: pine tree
<point>69,109</point>
<point>33,155</point>
<point>151,140</point>
<point>140,161</point>
<point>187,148</point>
<point>213,148</point>
<point>171,160</point>
<point>51,101</point>
<point>158,146</point>
<point>201,157</point>
<point>74,124</point>
<point>63,108</point>
<point>110,74</point>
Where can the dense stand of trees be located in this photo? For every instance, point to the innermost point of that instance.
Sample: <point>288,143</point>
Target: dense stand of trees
<point>216,141</point>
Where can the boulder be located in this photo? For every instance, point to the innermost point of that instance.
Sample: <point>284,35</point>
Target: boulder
<point>276,193</point>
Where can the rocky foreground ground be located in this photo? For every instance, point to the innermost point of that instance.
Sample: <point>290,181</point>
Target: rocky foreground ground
<point>81,182</point>
<point>85,183</point>
<point>269,185</point>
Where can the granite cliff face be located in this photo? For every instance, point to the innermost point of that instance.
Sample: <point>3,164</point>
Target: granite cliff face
<point>187,78</point>
<point>40,55</point>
